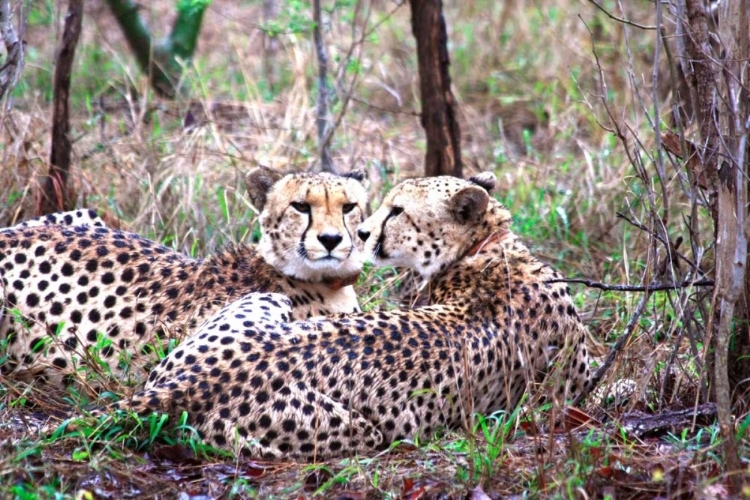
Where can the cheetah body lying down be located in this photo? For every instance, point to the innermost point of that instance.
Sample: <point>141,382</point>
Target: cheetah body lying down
<point>354,383</point>
<point>75,292</point>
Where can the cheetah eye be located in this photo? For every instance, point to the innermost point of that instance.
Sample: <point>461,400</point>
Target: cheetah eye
<point>348,207</point>
<point>396,211</point>
<point>301,207</point>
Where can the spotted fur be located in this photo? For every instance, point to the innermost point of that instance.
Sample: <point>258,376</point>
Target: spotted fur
<point>354,383</point>
<point>82,217</point>
<point>75,293</point>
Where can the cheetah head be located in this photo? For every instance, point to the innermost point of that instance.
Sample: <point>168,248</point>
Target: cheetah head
<point>426,224</point>
<point>308,222</point>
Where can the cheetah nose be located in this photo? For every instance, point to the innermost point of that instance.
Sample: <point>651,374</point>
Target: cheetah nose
<point>330,241</point>
<point>363,235</point>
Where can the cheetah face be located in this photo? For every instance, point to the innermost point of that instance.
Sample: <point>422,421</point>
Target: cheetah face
<point>309,221</point>
<point>427,224</point>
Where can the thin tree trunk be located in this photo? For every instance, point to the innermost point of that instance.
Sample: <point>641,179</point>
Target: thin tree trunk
<point>270,44</point>
<point>731,243</point>
<point>12,67</point>
<point>438,116</point>
<point>54,191</point>
<point>322,118</point>
<point>724,156</point>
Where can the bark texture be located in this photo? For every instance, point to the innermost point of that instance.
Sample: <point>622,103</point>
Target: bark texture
<point>438,115</point>
<point>11,68</point>
<point>54,196</point>
<point>721,81</point>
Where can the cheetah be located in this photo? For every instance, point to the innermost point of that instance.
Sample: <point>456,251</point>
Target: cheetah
<point>354,383</point>
<point>83,293</point>
<point>82,217</point>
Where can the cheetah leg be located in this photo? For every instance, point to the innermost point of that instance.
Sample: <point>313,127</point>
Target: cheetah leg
<point>318,427</point>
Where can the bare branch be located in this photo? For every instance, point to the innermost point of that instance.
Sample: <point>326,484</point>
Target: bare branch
<point>634,288</point>
<point>621,20</point>
<point>661,240</point>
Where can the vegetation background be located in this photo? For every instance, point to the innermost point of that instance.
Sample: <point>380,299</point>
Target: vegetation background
<point>556,97</point>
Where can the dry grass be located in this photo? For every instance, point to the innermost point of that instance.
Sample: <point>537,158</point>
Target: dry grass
<point>531,109</point>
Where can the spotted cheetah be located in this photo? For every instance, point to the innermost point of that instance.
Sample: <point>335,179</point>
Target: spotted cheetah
<point>354,383</point>
<point>107,297</point>
<point>82,217</point>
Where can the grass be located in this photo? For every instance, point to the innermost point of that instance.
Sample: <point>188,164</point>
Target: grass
<point>528,85</point>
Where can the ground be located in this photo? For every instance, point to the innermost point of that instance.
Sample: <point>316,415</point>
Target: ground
<point>532,109</point>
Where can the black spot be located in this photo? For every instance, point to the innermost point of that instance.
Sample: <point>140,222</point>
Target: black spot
<point>127,275</point>
<point>67,269</point>
<point>32,300</point>
<point>264,421</point>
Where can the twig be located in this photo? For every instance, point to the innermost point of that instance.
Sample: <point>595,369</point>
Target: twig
<point>660,238</point>
<point>634,288</point>
<point>624,338</point>
<point>384,109</point>
<point>621,20</point>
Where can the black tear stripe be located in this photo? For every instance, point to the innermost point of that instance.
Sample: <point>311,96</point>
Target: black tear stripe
<point>381,238</point>
<point>348,231</point>
<point>302,250</point>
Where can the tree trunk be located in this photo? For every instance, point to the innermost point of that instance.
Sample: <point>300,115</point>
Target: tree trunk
<point>11,69</point>
<point>721,82</point>
<point>322,119</point>
<point>54,196</point>
<point>270,45</point>
<point>731,260</point>
<point>438,117</point>
<point>161,61</point>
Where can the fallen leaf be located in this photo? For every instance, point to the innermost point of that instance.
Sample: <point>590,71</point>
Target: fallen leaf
<point>529,427</point>
<point>350,495</point>
<point>605,472</point>
<point>479,494</point>
<point>176,453</point>
<point>574,418</point>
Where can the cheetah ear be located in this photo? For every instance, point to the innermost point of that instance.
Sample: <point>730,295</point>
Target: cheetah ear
<point>487,180</point>
<point>468,205</point>
<point>258,182</point>
<point>359,176</point>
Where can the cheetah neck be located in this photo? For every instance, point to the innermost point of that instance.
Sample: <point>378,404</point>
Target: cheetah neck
<point>242,269</point>
<point>480,262</point>
<point>495,237</point>
<point>336,284</point>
